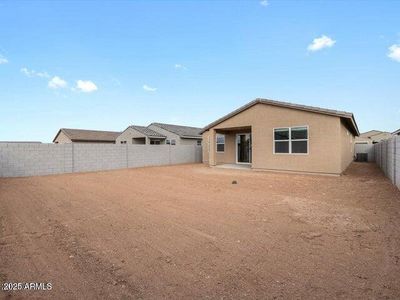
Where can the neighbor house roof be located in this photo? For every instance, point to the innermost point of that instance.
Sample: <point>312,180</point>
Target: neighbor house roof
<point>147,131</point>
<point>349,117</point>
<point>183,131</point>
<point>397,132</point>
<point>371,133</point>
<point>89,135</point>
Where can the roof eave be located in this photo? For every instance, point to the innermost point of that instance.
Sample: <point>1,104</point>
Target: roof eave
<point>190,136</point>
<point>264,101</point>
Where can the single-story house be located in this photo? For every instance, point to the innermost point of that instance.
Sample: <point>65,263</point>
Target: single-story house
<point>160,133</point>
<point>142,135</point>
<point>67,135</point>
<point>373,137</point>
<point>273,135</point>
<point>177,134</point>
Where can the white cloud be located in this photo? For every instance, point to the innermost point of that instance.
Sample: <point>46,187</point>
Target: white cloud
<point>42,74</point>
<point>3,60</point>
<point>149,89</point>
<point>264,3</point>
<point>33,73</point>
<point>394,52</point>
<point>180,66</point>
<point>57,82</point>
<point>86,86</point>
<point>321,43</point>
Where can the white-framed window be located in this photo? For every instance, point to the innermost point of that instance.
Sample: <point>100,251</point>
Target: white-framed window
<point>155,142</point>
<point>173,142</point>
<point>123,142</point>
<point>198,142</point>
<point>291,140</point>
<point>220,141</point>
<point>168,142</point>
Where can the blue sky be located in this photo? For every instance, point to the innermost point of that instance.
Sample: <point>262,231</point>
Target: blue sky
<point>107,64</point>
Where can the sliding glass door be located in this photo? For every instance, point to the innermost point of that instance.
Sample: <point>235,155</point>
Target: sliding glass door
<point>243,148</point>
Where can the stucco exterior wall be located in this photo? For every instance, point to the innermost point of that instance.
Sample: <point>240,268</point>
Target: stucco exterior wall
<point>325,153</point>
<point>347,146</point>
<point>206,146</point>
<point>173,136</point>
<point>62,139</point>
<point>130,133</point>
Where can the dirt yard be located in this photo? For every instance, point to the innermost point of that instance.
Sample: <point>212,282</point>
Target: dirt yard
<point>186,232</point>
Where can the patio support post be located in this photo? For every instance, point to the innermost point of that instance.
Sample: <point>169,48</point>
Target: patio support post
<point>212,155</point>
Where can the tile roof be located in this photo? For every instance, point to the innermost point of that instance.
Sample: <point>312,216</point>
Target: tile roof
<point>89,135</point>
<point>341,114</point>
<point>182,131</point>
<point>147,131</point>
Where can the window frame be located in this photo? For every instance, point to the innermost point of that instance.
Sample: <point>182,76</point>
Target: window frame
<point>290,140</point>
<point>216,143</point>
<point>173,142</point>
<point>199,143</point>
<point>155,142</point>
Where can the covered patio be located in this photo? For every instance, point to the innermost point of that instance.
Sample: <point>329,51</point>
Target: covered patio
<point>233,147</point>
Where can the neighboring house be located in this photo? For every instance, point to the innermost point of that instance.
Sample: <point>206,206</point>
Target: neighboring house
<point>274,135</point>
<point>177,134</point>
<point>373,137</point>
<point>67,135</point>
<point>397,132</point>
<point>140,135</point>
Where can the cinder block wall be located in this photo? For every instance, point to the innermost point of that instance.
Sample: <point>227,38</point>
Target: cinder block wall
<point>21,159</point>
<point>387,157</point>
<point>366,148</point>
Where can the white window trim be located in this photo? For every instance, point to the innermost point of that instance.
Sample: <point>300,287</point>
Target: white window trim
<point>216,143</point>
<point>290,140</point>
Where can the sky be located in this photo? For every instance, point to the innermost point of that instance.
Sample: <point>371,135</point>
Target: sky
<point>106,65</point>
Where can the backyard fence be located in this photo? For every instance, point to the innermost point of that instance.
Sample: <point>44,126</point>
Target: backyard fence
<point>387,157</point>
<point>366,149</point>
<point>22,159</point>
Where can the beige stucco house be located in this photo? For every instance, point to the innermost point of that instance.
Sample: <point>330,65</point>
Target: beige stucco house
<point>373,137</point>
<point>68,135</point>
<point>140,135</point>
<point>160,133</point>
<point>273,135</point>
<point>178,134</point>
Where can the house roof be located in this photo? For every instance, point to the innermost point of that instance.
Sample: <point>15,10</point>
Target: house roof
<point>349,117</point>
<point>147,131</point>
<point>89,135</point>
<point>183,131</point>
<point>370,133</point>
<point>397,132</point>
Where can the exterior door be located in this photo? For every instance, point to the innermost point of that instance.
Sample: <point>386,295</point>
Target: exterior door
<point>243,148</point>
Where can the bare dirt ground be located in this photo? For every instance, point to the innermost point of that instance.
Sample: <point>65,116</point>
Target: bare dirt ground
<point>183,232</point>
